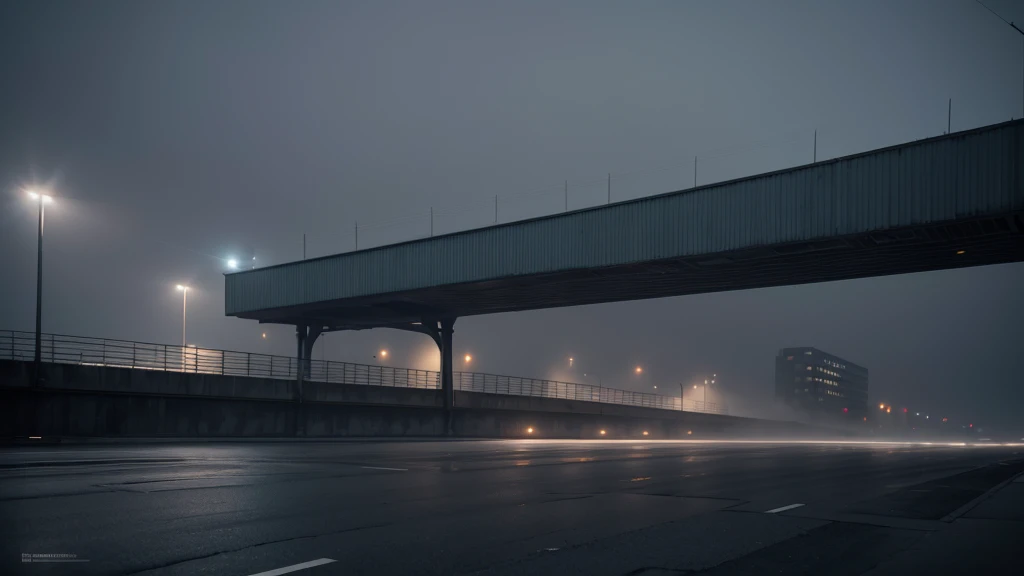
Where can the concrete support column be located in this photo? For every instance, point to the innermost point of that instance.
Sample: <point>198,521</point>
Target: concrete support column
<point>312,333</point>
<point>447,380</point>
<point>300,340</point>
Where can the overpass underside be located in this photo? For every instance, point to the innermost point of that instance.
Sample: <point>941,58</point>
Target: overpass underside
<point>960,244</point>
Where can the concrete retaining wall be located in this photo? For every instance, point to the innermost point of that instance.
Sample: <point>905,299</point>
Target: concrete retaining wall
<point>90,401</point>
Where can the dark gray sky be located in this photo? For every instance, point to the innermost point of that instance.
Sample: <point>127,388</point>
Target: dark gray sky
<point>177,134</point>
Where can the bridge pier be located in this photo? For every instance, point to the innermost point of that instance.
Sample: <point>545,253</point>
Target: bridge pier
<point>440,331</point>
<point>305,338</point>
<point>300,341</point>
<point>447,380</point>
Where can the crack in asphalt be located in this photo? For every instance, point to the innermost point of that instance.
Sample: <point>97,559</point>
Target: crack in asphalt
<point>219,552</point>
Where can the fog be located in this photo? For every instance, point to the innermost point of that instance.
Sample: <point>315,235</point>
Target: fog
<point>177,135</point>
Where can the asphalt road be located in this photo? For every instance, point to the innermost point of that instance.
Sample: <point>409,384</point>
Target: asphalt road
<point>508,507</point>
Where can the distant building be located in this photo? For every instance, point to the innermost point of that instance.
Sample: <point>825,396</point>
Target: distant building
<point>821,384</point>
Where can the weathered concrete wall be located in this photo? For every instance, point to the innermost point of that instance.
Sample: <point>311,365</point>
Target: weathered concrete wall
<point>139,381</point>
<point>128,380</point>
<point>74,413</point>
<point>90,401</point>
<point>511,416</point>
<point>356,394</point>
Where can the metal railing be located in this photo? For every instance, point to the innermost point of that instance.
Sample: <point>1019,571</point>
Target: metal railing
<point>516,386</point>
<point>79,350</point>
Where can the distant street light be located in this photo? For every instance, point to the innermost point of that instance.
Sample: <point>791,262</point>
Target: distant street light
<point>184,311</point>
<point>233,264</point>
<point>42,199</point>
<point>264,335</point>
<point>468,358</point>
<point>639,370</point>
<point>570,361</point>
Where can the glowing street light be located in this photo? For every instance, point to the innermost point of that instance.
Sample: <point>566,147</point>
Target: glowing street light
<point>264,335</point>
<point>570,361</point>
<point>232,264</point>
<point>529,430</point>
<point>468,358</point>
<point>184,307</point>
<point>881,406</point>
<point>42,199</point>
<point>639,370</point>
<point>383,353</point>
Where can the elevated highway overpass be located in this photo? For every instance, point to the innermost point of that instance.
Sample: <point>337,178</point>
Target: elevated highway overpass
<point>947,202</point>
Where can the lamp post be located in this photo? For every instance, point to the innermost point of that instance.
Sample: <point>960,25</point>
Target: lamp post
<point>184,307</point>
<point>43,200</point>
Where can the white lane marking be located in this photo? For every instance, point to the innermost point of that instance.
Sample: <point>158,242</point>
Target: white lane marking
<point>382,468</point>
<point>296,567</point>
<point>783,509</point>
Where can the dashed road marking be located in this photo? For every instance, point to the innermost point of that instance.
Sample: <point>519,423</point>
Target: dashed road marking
<point>382,468</point>
<point>783,509</point>
<point>296,567</point>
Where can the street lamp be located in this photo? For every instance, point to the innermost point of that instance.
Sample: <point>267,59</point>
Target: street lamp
<point>184,307</point>
<point>42,200</point>
<point>468,358</point>
<point>233,264</point>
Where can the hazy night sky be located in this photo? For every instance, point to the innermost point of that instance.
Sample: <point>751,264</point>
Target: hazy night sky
<point>177,134</point>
